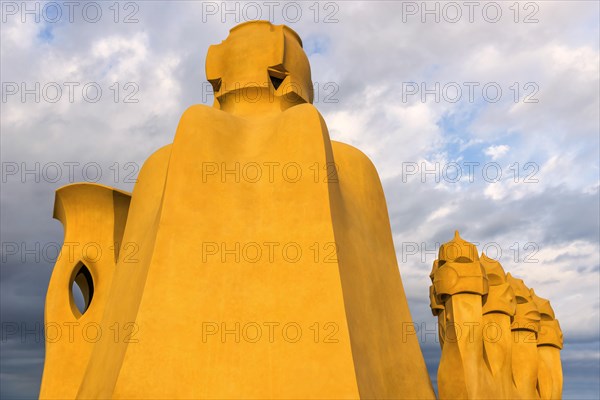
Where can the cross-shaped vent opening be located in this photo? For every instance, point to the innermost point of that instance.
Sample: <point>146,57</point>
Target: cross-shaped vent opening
<point>216,84</point>
<point>277,75</point>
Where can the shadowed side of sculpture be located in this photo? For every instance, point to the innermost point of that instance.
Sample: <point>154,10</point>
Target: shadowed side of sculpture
<point>499,340</point>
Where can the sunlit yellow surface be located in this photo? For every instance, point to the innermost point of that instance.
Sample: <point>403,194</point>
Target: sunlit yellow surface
<point>251,221</point>
<point>254,259</point>
<point>500,341</point>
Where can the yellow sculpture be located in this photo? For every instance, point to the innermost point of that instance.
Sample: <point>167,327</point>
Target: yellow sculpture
<point>254,259</point>
<point>260,264</point>
<point>494,345</point>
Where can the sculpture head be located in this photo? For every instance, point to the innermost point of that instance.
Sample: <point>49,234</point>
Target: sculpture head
<point>458,270</point>
<point>458,250</point>
<point>259,62</point>
<point>521,291</point>
<point>493,270</point>
<point>544,307</point>
<point>501,297</point>
<point>550,333</point>
<point>527,316</point>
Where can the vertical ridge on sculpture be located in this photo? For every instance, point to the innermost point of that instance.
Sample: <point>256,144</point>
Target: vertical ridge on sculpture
<point>516,330</point>
<point>498,310</point>
<point>129,280</point>
<point>550,342</point>
<point>525,327</point>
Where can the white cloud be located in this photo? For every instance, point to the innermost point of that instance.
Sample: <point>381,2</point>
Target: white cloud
<point>497,152</point>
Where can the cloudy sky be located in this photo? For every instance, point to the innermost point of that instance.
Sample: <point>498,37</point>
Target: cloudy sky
<point>482,118</point>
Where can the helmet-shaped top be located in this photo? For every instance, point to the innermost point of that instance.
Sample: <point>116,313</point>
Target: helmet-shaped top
<point>493,269</point>
<point>258,54</point>
<point>458,250</point>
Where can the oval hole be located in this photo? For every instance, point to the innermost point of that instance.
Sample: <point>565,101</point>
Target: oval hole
<point>82,289</point>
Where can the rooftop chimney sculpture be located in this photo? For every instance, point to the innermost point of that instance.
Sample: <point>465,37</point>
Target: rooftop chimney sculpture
<point>254,259</point>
